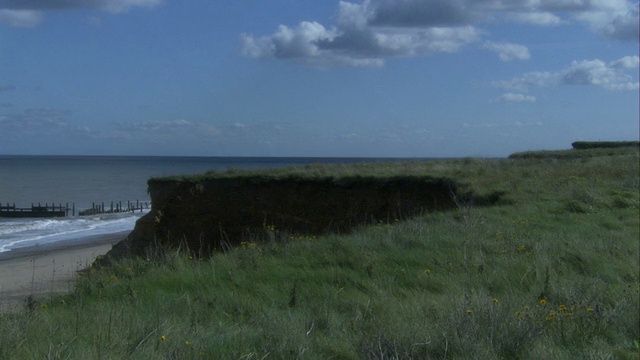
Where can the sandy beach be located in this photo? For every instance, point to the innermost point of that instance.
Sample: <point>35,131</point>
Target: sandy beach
<point>48,269</point>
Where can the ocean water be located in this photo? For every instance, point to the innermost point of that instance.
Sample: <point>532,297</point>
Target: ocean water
<point>81,181</point>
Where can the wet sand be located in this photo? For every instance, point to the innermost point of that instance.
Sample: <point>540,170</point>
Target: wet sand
<point>48,269</point>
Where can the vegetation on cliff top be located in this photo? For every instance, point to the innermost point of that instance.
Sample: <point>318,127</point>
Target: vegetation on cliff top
<point>321,172</point>
<point>550,274</point>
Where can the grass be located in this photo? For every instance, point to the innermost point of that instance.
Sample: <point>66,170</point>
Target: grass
<point>550,272</point>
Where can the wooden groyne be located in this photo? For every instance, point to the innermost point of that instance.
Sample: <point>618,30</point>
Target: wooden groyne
<point>46,210</point>
<point>52,210</point>
<point>115,207</point>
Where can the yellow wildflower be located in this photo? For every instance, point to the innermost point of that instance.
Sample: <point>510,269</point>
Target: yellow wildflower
<point>543,302</point>
<point>495,301</point>
<point>469,312</point>
<point>164,338</point>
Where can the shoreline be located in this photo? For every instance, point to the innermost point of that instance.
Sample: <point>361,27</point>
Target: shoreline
<point>63,245</point>
<point>48,269</point>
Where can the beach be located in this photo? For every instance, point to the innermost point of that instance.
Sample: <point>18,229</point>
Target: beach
<point>41,256</point>
<point>48,269</point>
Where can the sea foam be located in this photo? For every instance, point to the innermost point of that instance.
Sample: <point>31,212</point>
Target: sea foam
<point>18,233</point>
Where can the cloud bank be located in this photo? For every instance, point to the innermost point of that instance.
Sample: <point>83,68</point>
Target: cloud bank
<point>30,13</point>
<point>610,76</point>
<point>37,119</point>
<point>367,33</point>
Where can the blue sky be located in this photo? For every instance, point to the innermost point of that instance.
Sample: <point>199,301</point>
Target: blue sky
<point>396,78</point>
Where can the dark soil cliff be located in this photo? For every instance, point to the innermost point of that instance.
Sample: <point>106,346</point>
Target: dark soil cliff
<point>208,214</point>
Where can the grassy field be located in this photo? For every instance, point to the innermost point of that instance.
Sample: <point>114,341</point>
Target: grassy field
<point>550,272</point>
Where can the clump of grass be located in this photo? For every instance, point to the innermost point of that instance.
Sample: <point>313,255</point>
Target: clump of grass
<point>529,278</point>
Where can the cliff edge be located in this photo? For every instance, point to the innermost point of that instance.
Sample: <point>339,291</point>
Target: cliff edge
<point>209,214</point>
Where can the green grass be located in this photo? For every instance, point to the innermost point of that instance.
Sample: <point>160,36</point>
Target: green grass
<point>549,273</point>
<point>580,152</point>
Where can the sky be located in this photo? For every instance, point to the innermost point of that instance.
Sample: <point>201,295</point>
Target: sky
<point>372,78</point>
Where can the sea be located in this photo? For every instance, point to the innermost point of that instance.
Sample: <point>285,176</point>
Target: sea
<point>82,182</point>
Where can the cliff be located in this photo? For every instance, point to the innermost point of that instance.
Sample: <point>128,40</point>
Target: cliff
<point>209,214</point>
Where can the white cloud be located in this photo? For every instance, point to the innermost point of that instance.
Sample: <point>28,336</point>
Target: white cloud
<point>627,62</point>
<point>610,76</point>
<point>109,5</point>
<point>300,42</point>
<point>312,44</point>
<point>537,18</point>
<point>514,97</point>
<point>37,118</point>
<point>419,13</point>
<point>523,83</point>
<point>597,72</point>
<point>508,51</point>
<point>178,131</point>
<point>616,19</point>
<point>521,124</point>
<point>170,128</point>
<point>367,33</point>
<point>20,18</point>
<point>125,5</point>
<point>30,13</point>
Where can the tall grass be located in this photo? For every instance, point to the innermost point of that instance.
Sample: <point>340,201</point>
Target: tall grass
<point>551,272</point>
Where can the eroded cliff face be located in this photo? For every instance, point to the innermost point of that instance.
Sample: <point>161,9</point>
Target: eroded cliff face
<point>210,214</point>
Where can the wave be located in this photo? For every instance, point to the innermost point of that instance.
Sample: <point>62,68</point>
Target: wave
<point>18,233</point>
